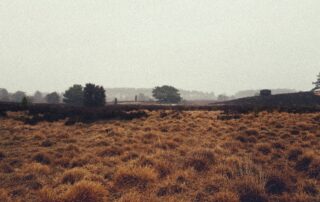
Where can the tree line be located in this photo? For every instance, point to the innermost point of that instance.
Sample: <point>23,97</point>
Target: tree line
<point>90,95</point>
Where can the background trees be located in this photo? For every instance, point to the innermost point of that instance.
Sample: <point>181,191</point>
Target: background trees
<point>166,94</point>
<point>38,97</point>
<point>53,98</point>
<point>74,95</point>
<point>94,95</point>
<point>18,96</point>
<point>317,83</point>
<point>4,95</point>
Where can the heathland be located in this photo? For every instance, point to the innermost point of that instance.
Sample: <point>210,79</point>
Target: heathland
<point>168,155</point>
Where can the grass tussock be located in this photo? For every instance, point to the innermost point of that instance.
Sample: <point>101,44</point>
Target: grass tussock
<point>128,177</point>
<point>85,191</point>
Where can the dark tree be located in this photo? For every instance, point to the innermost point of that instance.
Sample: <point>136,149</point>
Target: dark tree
<point>53,98</point>
<point>74,95</point>
<point>265,92</point>
<point>317,83</point>
<point>24,102</point>
<point>94,96</point>
<point>4,95</point>
<point>166,94</point>
<point>18,96</point>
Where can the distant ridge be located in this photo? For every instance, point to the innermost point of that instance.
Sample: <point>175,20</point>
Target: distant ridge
<point>289,99</point>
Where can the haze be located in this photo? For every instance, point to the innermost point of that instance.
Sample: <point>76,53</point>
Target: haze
<point>207,45</point>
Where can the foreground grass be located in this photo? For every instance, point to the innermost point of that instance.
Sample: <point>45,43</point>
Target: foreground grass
<point>169,156</point>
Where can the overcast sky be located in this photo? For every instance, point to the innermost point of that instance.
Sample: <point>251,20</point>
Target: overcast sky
<point>208,45</point>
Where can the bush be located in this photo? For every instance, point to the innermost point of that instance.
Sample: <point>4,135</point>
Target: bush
<point>42,158</point>
<point>276,184</point>
<point>74,175</point>
<point>86,191</point>
<point>294,154</point>
<point>170,190</point>
<point>2,155</point>
<point>134,177</point>
<point>201,160</point>
<point>249,190</point>
<point>303,163</point>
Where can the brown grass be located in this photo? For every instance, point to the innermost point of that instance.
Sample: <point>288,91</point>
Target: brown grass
<point>169,156</point>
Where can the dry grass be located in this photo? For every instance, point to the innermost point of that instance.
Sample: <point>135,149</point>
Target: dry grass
<point>169,156</point>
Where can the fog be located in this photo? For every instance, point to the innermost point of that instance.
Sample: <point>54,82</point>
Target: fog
<point>220,46</point>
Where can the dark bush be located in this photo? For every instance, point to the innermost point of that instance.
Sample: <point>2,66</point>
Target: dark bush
<point>303,163</point>
<point>42,158</point>
<point>276,184</point>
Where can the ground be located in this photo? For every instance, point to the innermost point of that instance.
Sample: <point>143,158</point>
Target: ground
<point>169,156</point>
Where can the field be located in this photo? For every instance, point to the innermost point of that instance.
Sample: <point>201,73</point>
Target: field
<point>166,156</point>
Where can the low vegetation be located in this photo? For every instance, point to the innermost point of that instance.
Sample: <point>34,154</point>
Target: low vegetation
<point>165,156</point>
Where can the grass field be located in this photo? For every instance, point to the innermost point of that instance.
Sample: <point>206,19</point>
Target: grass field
<point>167,156</point>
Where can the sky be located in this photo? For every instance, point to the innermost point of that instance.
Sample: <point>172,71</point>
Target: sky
<point>220,46</point>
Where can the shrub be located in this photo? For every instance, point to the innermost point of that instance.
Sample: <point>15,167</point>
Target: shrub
<point>311,188</point>
<point>201,160</point>
<point>85,191</point>
<point>5,168</point>
<point>252,132</point>
<point>314,169</point>
<point>37,168</point>
<point>74,175</point>
<point>111,151</point>
<point>134,177</point>
<point>303,163</point>
<point>249,190</point>
<point>294,154</point>
<point>264,148</point>
<point>46,143</point>
<point>2,155</point>
<point>276,184</point>
<point>170,190</point>
<point>42,158</point>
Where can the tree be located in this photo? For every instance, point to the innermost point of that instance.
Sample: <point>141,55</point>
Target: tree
<point>18,96</point>
<point>53,98</point>
<point>38,97</point>
<point>166,94</point>
<point>74,95</point>
<point>4,95</point>
<point>222,97</point>
<point>94,96</point>
<point>24,102</point>
<point>317,83</point>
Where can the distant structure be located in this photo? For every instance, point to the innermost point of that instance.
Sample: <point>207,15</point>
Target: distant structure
<point>265,92</point>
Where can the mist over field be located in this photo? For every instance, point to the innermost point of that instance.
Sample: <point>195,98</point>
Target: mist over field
<point>211,46</point>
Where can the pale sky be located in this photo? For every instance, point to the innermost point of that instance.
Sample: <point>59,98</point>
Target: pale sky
<point>208,45</point>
